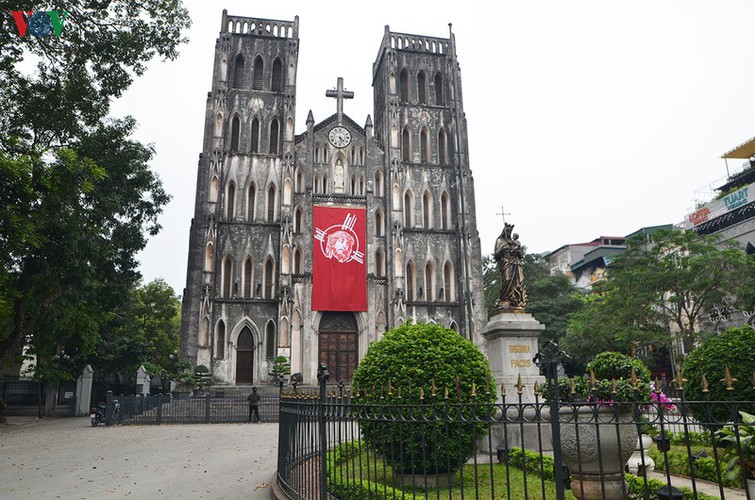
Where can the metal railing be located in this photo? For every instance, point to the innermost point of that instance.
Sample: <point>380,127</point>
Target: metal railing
<point>335,443</point>
<point>166,409</point>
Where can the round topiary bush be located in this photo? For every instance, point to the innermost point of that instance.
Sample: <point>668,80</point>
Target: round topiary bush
<point>615,365</point>
<point>435,434</point>
<point>733,349</point>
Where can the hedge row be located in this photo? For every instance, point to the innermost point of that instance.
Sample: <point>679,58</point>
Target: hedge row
<point>705,468</point>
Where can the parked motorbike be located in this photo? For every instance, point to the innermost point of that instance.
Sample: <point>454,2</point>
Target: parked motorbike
<point>97,415</point>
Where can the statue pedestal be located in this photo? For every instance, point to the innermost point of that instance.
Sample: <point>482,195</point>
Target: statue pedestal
<point>511,339</point>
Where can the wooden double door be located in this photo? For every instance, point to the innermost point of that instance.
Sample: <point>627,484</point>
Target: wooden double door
<point>338,346</point>
<point>245,358</point>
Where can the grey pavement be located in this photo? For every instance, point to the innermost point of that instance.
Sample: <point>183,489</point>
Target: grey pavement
<point>68,458</point>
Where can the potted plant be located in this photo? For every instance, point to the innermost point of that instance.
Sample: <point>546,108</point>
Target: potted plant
<point>739,450</point>
<point>598,426</point>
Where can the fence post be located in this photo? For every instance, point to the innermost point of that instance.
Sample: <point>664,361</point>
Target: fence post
<point>109,407</point>
<point>546,358</point>
<point>322,377</point>
<point>207,408</point>
<point>159,409</point>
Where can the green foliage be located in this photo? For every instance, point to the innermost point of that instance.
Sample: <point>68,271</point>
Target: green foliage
<point>144,330</point>
<point>413,358</point>
<point>281,366</point>
<point>733,349</point>
<point>614,365</point>
<point>705,468</point>
<point>491,283</point>
<point>202,377</point>
<point>739,447</point>
<point>666,279</point>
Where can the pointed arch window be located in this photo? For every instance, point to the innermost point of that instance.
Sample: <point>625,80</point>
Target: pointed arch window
<point>421,88</point>
<point>408,208</point>
<point>214,188</point>
<point>230,200</point>
<point>269,279</point>
<point>411,280</point>
<point>254,147</point>
<point>404,86</point>
<point>405,145</point>
<point>439,97</point>
<point>235,133</point>
<point>247,284</point>
<point>448,282</point>
<point>427,210</point>
<point>379,224</point>
<point>274,136</point>
<point>424,145</point>
<point>209,257</point>
<point>430,281</point>
<point>378,183</point>
<point>251,201</point>
<point>299,181</point>
<point>259,67</point>
<point>220,340</point>
<point>226,278</point>
<point>298,216</point>
<point>271,192</point>
<point>270,347</point>
<point>298,260</point>
<point>379,263</point>
<point>277,81</point>
<point>238,72</point>
<point>442,147</point>
<point>445,211</point>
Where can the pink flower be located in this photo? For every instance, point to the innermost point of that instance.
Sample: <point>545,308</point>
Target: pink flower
<point>661,398</point>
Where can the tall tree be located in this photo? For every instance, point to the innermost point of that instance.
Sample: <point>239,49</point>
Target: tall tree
<point>661,285</point>
<point>77,193</point>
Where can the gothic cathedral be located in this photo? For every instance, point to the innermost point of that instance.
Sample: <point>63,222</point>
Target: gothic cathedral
<point>310,246</point>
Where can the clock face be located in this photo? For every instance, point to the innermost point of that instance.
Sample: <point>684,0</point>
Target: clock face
<point>339,137</point>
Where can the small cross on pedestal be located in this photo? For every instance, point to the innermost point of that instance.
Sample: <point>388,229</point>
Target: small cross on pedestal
<point>503,214</point>
<point>340,94</point>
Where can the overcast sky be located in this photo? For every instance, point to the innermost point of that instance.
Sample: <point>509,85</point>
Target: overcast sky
<point>585,118</point>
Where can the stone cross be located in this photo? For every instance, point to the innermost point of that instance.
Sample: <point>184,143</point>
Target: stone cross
<point>503,214</point>
<point>340,95</point>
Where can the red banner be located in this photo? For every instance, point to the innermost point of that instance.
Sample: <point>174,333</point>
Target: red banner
<point>339,270</point>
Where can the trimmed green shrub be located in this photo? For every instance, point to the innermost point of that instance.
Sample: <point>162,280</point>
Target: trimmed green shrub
<point>733,349</point>
<point>417,438</point>
<point>615,365</point>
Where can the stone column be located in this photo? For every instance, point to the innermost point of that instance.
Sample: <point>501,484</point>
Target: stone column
<point>84,391</point>
<point>142,381</point>
<point>511,339</point>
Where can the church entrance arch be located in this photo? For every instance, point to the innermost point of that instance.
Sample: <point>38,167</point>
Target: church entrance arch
<point>245,357</point>
<point>338,346</point>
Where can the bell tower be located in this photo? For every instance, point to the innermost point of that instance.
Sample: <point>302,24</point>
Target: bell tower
<point>243,202</point>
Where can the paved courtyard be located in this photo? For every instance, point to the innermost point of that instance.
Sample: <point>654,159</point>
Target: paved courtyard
<point>68,458</point>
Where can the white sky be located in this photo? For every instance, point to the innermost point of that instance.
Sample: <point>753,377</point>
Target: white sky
<point>605,116</point>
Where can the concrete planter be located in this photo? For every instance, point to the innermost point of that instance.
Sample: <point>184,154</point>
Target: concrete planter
<point>635,464</point>
<point>596,449</point>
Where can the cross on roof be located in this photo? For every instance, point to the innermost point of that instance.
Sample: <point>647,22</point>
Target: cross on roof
<point>503,214</point>
<point>340,94</point>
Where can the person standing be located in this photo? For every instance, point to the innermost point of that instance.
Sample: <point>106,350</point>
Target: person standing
<point>254,401</point>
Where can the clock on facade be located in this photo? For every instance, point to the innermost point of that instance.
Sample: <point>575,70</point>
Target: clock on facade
<point>339,137</point>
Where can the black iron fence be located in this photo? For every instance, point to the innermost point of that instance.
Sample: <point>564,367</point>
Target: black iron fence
<point>168,409</point>
<point>338,443</point>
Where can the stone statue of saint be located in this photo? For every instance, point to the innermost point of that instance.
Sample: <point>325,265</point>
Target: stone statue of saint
<point>508,256</point>
<point>338,176</point>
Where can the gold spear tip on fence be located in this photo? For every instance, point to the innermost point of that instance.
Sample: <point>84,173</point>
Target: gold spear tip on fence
<point>704,383</point>
<point>433,388</point>
<point>634,379</point>
<point>536,388</point>
<point>679,381</point>
<point>474,389</point>
<point>519,385</point>
<point>445,393</point>
<point>657,386</point>
<point>421,394</point>
<point>398,392</point>
<point>614,387</point>
<point>503,390</point>
<point>593,382</point>
<point>728,380</point>
<point>390,388</point>
<point>572,386</point>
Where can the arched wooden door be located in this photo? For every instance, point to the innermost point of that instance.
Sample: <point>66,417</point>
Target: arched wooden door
<point>338,345</point>
<point>245,358</point>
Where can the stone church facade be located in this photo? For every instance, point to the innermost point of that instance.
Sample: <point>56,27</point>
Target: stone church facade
<point>248,296</point>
